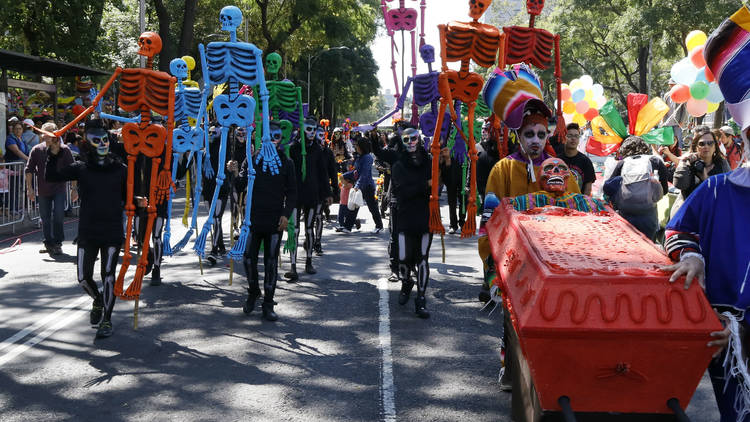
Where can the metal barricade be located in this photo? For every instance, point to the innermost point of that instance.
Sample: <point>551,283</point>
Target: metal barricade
<point>32,208</point>
<point>12,193</point>
<point>69,202</point>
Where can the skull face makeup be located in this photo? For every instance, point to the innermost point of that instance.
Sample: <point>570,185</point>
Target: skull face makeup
<point>533,138</point>
<point>276,133</point>
<point>320,134</point>
<point>554,175</point>
<point>410,139</point>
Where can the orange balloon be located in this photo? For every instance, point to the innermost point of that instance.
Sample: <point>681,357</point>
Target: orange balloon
<point>696,56</point>
<point>679,93</point>
<point>709,75</point>
<point>590,114</point>
<point>569,107</point>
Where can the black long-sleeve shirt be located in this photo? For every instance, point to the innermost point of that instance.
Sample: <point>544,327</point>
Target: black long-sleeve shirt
<point>102,190</point>
<point>274,195</point>
<point>315,187</point>
<point>412,190</point>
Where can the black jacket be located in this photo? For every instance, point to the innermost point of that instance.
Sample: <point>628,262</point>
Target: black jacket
<point>315,187</point>
<point>412,190</point>
<point>274,195</point>
<point>487,157</point>
<point>102,190</point>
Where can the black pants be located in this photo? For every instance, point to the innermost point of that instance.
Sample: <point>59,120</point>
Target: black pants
<point>217,233</point>
<point>413,256</point>
<point>86,259</point>
<point>368,194</point>
<point>309,214</point>
<point>319,224</point>
<point>156,250</point>
<point>456,200</point>
<point>271,245</point>
<point>393,242</point>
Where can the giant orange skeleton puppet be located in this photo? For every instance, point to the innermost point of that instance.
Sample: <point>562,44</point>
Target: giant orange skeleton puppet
<point>236,63</point>
<point>463,42</point>
<point>142,90</point>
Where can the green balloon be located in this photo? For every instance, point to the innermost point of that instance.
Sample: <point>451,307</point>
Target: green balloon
<point>699,90</point>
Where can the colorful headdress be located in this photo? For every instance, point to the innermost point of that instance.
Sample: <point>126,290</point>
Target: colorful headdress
<point>514,93</point>
<point>727,54</point>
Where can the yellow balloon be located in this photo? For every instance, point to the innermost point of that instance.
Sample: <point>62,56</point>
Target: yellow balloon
<point>575,84</point>
<point>578,118</point>
<point>589,95</point>
<point>569,107</point>
<point>695,39</point>
<point>594,104</point>
<point>712,107</point>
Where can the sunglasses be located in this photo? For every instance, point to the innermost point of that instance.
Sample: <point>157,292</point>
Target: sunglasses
<point>529,134</point>
<point>706,143</point>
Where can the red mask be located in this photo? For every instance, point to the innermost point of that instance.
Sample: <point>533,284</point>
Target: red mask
<point>554,175</point>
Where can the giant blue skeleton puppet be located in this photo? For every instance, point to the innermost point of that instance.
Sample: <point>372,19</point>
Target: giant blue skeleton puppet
<point>236,63</point>
<point>185,138</point>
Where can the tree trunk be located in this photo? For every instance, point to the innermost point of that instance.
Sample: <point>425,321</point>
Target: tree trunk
<point>188,22</point>
<point>643,57</point>
<point>168,45</point>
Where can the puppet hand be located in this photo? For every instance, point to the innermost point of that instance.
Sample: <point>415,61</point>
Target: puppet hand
<point>283,223</point>
<point>271,160</point>
<point>208,170</point>
<point>692,267</point>
<point>163,186</point>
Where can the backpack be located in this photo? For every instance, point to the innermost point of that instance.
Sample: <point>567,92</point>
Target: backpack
<point>638,193</point>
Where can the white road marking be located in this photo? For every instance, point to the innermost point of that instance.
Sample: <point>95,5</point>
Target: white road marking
<point>387,389</point>
<point>61,319</point>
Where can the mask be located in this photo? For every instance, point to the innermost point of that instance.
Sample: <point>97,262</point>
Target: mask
<point>100,142</point>
<point>554,175</point>
<point>410,139</point>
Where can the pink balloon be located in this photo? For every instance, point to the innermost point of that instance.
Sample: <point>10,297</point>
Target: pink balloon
<point>565,94</point>
<point>582,106</point>
<point>697,108</point>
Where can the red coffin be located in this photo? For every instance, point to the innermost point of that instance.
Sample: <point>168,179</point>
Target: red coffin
<point>597,320</point>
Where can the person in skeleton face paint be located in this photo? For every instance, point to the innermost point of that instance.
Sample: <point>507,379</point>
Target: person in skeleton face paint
<point>102,187</point>
<point>311,192</point>
<point>273,200</point>
<point>333,181</point>
<point>411,179</point>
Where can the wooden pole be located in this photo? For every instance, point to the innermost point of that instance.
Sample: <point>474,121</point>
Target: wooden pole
<point>135,315</point>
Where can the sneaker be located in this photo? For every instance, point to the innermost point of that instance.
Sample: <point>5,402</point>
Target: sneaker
<point>57,250</point>
<point>155,277</point>
<point>211,260</point>
<point>309,269</point>
<point>104,330</point>
<point>344,230</point>
<point>452,230</point>
<point>318,249</point>
<point>406,286</point>
<point>292,276</point>
<point>357,224</point>
<point>419,307</point>
<point>252,296</point>
<point>393,277</point>
<point>377,230</point>
<point>96,311</point>
<point>268,313</point>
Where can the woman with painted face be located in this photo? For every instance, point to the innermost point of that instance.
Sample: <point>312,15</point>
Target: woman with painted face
<point>273,200</point>
<point>310,191</point>
<point>411,179</point>
<point>102,185</point>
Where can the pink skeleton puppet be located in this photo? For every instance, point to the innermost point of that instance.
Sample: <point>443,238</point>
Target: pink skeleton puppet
<point>403,19</point>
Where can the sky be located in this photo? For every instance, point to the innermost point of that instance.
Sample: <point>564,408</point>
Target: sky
<point>437,12</point>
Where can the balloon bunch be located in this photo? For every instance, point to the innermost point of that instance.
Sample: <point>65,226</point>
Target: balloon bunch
<point>696,85</point>
<point>582,99</point>
<point>609,130</point>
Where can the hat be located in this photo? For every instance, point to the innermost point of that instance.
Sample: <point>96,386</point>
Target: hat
<point>515,94</point>
<point>348,176</point>
<point>13,119</point>
<point>727,130</point>
<point>95,127</point>
<point>28,122</point>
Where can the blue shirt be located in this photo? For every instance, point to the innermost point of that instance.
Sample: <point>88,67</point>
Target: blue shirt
<point>10,155</point>
<point>363,166</point>
<point>718,211</point>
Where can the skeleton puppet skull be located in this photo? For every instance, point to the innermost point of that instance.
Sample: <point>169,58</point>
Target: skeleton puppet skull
<point>554,175</point>
<point>534,7</point>
<point>273,63</point>
<point>149,44</point>
<point>178,68</point>
<point>478,7</point>
<point>231,18</point>
<point>427,53</point>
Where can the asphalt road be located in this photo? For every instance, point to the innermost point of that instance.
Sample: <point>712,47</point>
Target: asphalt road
<point>342,350</point>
